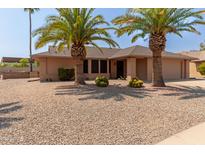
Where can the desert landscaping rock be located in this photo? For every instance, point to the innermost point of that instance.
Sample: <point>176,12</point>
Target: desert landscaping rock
<point>60,113</point>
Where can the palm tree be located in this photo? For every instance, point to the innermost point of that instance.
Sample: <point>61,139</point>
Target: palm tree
<point>30,11</point>
<point>74,28</point>
<point>156,24</point>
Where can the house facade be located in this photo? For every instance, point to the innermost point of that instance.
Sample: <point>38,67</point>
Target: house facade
<point>114,63</point>
<point>198,58</point>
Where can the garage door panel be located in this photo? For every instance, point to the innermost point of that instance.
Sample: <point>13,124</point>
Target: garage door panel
<point>171,69</point>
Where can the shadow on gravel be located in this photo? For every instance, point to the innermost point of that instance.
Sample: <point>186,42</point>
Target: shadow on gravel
<point>6,109</point>
<point>186,92</point>
<point>90,91</point>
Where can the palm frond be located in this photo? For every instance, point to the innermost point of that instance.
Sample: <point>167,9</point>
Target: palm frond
<point>158,20</point>
<point>74,26</point>
<point>31,10</point>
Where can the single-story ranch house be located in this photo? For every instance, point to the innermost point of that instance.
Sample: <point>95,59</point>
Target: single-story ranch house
<point>114,63</point>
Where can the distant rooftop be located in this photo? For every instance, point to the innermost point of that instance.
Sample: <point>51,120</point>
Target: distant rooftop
<point>10,59</point>
<point>199,55</point>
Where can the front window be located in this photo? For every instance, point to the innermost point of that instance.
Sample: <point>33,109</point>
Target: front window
<point>94,66</point>
<point>103,66</point>
<point>85,66</point>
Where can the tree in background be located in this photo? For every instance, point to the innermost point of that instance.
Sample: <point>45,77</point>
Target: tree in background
<point>3,64</point>
<point>156,24</point>
<point>201,68</point>
<point>30,12</point>
<point>24,62</point>
<point>202,46</point>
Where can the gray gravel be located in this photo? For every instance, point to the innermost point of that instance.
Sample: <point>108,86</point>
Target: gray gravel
<point>59,113</point>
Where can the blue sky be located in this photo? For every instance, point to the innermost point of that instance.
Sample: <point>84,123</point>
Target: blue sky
<point>14,32</point>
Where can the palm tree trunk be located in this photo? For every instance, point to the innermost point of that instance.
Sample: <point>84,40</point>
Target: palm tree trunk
<point>79,76</point>
<point>78,52</point>
<point>157,79</point>
<point>30,41</point>
<point>157,44</point>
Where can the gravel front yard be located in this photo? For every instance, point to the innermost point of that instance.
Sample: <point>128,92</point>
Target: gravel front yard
<point>59,113</point>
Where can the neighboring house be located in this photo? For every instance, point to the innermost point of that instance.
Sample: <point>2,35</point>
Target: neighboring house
<point>10,59</point>
<point>12,71</point>
<point>114,63</point>
<point>199,57</point>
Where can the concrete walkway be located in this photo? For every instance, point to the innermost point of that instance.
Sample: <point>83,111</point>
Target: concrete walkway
<point>193,135</point>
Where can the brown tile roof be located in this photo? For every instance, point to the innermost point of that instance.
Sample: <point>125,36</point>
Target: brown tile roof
<point>108,53</point>
<point>198,55</point>
<point>91,53</point>
<point>141,51</point>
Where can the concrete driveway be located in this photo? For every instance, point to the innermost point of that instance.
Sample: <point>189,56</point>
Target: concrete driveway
<point>193,135</point>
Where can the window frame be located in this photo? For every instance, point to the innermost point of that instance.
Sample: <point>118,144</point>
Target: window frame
<point>93,65</point>
<point>84,66</point>
<point>103,69</point>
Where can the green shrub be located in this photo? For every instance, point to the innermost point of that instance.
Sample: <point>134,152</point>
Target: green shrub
<point>23,62</point>
<point>101,81</point>
<point>136,83</point>
<point>201,68</point>
<point>66,74</point>
<point>3,65</point>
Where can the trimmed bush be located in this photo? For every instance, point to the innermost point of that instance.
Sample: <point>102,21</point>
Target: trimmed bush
<point>66,74</point>
<point>136,83</point>
<point>101,81</point>
<point>201,68</point>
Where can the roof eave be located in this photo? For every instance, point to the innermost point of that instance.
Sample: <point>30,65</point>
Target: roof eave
<point>200,60</point>
<point>128,56</point>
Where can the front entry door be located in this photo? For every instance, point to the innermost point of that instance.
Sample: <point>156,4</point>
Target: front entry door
<point>120,69</point>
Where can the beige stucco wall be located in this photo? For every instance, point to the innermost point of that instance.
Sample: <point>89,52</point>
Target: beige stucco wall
<point>173,69</point>
<point>141,68</point>
<point>134,67</point>
<point>125,68</point>
<point>113,73</point>
<point>131,68</point>
<point>187,70</point>
<point>149,69</point>
<point>193,70</point>
<point>49,68</point>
